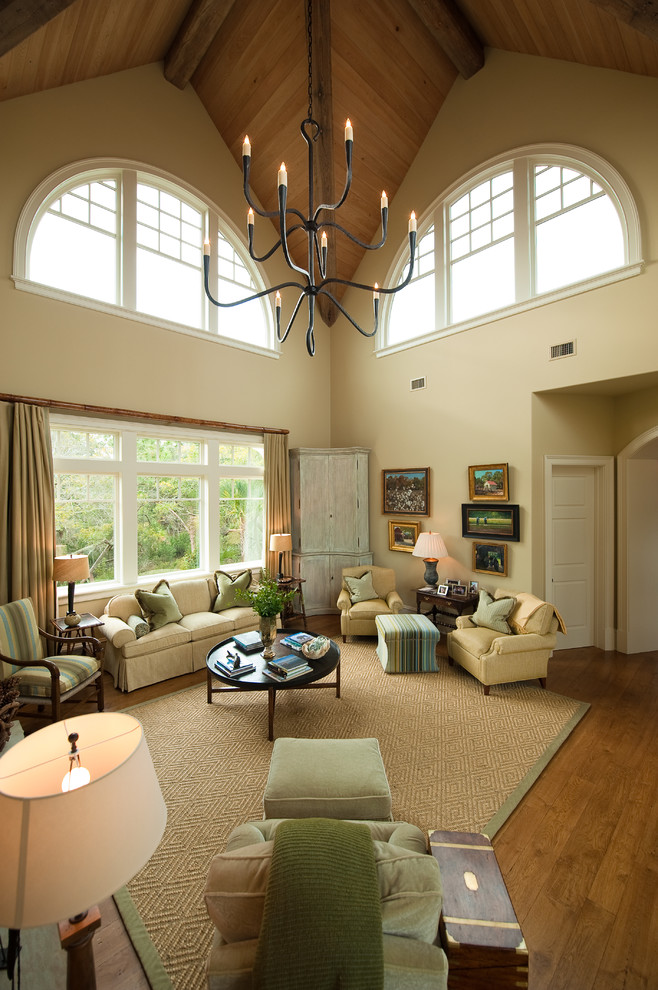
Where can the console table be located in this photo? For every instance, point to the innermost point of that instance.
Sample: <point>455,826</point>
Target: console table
<point>289,614</point>
<point>445,608</point>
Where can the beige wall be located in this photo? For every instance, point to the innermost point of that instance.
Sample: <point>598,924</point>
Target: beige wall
<point>478,406</point>
<point>59,351</point>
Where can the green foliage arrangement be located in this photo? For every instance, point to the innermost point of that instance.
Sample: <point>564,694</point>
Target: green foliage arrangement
<point>267,600</point>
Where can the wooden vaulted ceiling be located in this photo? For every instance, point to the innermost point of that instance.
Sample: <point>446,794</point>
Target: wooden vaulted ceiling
<point>387,64</point>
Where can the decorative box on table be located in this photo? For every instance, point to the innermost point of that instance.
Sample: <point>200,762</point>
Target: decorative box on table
<point>479,930</point>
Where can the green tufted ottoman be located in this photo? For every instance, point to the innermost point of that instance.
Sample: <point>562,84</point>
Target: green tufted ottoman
<point>407,643</point>
<point>327,778</point>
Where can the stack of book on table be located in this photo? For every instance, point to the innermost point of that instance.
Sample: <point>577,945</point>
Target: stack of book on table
<point>248,642</point>
<point>296,640</point>
<point>286,668</point>
<point>226,666</point>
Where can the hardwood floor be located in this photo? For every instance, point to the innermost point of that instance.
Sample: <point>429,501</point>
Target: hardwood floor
<point>580,853</point>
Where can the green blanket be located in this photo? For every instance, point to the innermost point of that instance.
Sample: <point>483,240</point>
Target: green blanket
<point>322,922</point>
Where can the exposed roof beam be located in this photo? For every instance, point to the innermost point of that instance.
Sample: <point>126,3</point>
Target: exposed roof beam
<point>195,35</point>
<point>323,114</point>
<point>639,14</point>
<point>453,33</point>
<point>21,18</point>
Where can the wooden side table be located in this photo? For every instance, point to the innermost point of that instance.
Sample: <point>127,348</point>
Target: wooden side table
<point>445,608</point>
<point>88,623</point>
<point>289,613</point>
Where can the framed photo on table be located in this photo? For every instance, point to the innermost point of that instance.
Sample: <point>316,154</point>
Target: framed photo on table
<point>491,521</point>
<point>442,590</point>
<point>490,558</point>
<point>406,492</point>
<point>402,535</point>
<point>488,482</point>
<point>458,591</point>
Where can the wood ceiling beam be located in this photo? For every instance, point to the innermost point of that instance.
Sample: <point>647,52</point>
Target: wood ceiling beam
<point>21,18</point>
<point>639,14</point>
<point>201,23</point>
<point>453,33</point>
<point>323,191</point>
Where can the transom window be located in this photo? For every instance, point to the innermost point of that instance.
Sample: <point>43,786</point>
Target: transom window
<point>524,230</point>
<point>141,504</point>
<point>131,241</point>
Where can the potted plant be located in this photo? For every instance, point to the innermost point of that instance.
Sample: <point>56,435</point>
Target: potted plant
<point>267,599</point>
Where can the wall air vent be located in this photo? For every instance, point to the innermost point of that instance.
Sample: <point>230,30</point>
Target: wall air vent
<point>417,383</point>
<point>563,350</point>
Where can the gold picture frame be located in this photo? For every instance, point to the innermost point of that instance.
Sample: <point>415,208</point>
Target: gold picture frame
<point>488,482</point>
<point>402,535</point>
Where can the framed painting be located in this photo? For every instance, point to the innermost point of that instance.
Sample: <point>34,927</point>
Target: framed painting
<point>488,482</point>
<point>406,492</point>
<point>490,558</point>
<point>402,535</point>
<point>491,521</point>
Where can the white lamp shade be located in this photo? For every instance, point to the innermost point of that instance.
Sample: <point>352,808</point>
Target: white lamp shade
<point>430,546</point>
<point>62,853</point>
<point>280,542</point>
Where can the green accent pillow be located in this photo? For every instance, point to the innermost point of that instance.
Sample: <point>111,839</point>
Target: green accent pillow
<point>492,613</point>
<point>138,624</point>
<point>159,606</point>
<point>361,589</point>
<point>227,587</point>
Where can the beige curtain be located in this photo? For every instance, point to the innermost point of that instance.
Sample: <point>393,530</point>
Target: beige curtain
<point>27,508</point>
<point>277,497</point>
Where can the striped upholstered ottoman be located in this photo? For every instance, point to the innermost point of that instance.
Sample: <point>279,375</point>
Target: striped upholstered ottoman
<point>407,643</point>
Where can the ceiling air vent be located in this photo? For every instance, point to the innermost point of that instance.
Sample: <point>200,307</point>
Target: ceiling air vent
<point>417,383</point>
<point>563,350</point>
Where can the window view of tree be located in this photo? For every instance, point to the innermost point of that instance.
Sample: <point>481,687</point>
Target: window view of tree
<point>241,505</point>
<point>167,524</point>
<point>84,515</point>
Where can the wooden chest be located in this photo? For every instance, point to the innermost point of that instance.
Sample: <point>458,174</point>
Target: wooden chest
<point>479,930</point>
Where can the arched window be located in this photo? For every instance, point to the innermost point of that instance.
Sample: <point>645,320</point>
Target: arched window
<point>118,237</point>
<point>525,229</point>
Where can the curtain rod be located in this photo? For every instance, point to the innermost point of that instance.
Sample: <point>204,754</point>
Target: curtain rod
<point>133,414</point>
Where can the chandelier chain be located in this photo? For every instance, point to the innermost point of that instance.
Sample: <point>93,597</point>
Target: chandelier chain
<point>310,58</point>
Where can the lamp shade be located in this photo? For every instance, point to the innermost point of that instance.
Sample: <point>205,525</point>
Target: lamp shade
<point>70,569</point>
<point>280,542</point>
<point>63,852</point>
<point>430,546</point>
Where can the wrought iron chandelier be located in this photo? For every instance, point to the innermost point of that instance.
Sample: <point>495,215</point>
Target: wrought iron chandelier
<point>313,225</point>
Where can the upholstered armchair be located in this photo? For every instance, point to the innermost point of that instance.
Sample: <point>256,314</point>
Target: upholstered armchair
<point>44,680</point>
<point>510,637</point>
<point>367,591</point>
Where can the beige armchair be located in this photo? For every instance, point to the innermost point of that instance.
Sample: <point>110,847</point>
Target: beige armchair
<point>496,657</point>
<point>357,618</point>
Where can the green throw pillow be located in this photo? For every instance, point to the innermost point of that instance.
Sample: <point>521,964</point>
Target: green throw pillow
<point>159,606</point>
<point>492,613</point>
<point>361,589</point>
<point>138,624</point>
<point>227,587</point>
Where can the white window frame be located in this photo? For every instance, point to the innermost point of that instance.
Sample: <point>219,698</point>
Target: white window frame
<point>522,161</point>
<point>128,174</point>
<point>126,468</point>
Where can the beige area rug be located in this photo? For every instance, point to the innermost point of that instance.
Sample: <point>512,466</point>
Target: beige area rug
<point>454,759</point>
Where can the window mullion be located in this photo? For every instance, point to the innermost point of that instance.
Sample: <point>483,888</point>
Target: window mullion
<point>127,526</point>
<point>211,311</point>
<point>129,240</point>
<point>524,241</point>
<point>441,282</point>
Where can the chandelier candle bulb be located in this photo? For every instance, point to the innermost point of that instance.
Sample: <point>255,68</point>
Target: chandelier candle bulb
<point>250,217</point>
<point>246,147</point>
<point>283,175</point>
<point>375,294</point>
<point>206,248</point>
<point>349,131</point>
<point>412,221</point>
<point>384,201</point>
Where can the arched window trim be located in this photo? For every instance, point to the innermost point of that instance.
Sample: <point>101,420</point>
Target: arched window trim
<point>55,184</point>
<point>522,158</point>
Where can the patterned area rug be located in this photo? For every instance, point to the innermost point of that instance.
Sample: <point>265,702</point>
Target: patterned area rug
<point>455,759</point>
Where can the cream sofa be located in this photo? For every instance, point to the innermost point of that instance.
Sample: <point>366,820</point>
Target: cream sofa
<point>357,618</point>
<point>176,648</point>
<point>521,655</point>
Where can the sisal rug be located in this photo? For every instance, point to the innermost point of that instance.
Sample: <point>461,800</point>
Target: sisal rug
<point>454,758</point>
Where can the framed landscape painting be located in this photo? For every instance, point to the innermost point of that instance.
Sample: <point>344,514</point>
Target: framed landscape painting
<point>402,535</point>
<point>488,482</point>
<point>491,521</point>
<point>490,558</point>
<point>406,492</point>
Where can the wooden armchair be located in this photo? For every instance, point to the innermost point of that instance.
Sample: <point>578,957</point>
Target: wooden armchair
<point>45,681</point>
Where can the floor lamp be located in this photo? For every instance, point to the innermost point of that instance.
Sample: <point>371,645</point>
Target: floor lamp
<point>82,812</point>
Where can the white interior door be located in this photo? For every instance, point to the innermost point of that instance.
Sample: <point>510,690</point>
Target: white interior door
<point>573,552</point>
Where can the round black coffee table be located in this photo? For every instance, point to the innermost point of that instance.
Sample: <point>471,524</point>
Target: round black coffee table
<point>257,680</point>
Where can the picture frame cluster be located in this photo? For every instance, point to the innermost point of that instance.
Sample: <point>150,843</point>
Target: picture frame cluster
<point>487,519</point>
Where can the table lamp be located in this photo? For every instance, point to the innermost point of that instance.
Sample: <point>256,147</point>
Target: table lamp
<point>72,568</point>
<point>65,844</point>
<point>280,542</point>
<point>431,548</point>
